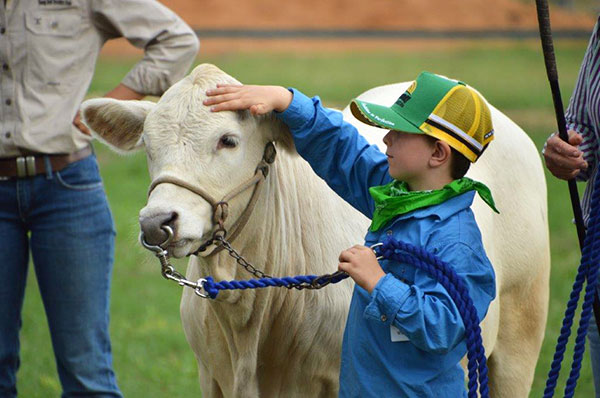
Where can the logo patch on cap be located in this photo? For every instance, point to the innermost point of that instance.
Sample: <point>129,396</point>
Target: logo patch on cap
<point>404,98</point>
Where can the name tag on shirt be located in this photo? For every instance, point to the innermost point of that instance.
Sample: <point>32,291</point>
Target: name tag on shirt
<point>397,335</point>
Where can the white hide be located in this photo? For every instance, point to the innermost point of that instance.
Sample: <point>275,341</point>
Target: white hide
<point>277,342</point>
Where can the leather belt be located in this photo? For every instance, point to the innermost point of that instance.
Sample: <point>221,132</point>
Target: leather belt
<point>32,165</point>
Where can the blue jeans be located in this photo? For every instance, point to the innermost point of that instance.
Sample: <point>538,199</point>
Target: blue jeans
<point>63,219</point>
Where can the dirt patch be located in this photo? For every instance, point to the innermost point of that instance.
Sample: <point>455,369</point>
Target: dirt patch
<point>372,14</point>
<point>438,15</point>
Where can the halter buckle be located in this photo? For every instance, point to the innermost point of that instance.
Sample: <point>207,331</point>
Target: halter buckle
<point>220,212</point>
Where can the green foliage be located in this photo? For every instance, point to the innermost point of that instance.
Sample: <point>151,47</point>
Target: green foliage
<point>151,355</point>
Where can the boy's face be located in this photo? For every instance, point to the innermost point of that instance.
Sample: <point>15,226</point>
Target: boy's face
<point>408,156</point>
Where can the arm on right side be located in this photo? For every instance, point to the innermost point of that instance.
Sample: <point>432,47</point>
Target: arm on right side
<point>577,158</point>
<point>169,44</point>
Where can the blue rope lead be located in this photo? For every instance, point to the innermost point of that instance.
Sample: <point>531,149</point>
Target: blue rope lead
<point>590,262</point>
<point>457,289</point>
<point>212,288</point>
<point>403,252</point>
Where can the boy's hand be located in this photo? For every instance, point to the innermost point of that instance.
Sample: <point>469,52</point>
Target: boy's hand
<point>258,99</point>
<point>563,159</point>
<point>361,264</point>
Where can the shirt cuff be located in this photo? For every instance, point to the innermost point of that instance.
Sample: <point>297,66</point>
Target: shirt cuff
<point>300,111</point>
<point>387,298</point>
<point>147,80</point>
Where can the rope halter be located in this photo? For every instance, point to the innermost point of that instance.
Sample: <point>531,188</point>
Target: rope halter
<point>221,207</point>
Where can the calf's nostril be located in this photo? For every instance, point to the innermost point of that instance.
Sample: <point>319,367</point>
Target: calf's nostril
<point>151,226</point>
<point>171,221</point>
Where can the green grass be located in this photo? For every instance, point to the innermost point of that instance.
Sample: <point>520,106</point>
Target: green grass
<point>151,355</point>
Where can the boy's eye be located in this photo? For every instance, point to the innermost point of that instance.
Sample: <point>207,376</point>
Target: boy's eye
<point>227,141</point>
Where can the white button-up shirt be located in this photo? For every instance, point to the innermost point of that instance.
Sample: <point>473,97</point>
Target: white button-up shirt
<point>48,51</point>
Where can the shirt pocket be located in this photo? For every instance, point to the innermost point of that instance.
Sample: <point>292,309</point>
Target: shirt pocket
<point>53,48</point>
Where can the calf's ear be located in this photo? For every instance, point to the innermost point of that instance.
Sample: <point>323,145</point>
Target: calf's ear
<point>278,132</point>
<point>117,123</point>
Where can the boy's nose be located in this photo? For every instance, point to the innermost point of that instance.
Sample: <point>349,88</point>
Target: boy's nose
<point>386,138</point>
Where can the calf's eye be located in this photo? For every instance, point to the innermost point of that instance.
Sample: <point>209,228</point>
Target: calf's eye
<point>227,141</point>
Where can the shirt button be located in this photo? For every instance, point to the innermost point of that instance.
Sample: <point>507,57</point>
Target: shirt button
<point>5,66</point>
<point>2,30</point>
<point>389,233</point>
<point>7,135</point>
<point>8,101</point>
<point>383,318</point>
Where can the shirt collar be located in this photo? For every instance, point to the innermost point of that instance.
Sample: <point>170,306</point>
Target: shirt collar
<point>443,210</point>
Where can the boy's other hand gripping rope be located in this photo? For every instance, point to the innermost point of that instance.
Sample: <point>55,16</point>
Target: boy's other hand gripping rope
<point>588,269</point>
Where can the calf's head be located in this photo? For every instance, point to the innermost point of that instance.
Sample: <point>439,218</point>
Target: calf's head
<point>215,152</point>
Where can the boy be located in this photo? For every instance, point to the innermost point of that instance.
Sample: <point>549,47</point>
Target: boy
<point>404,335</point>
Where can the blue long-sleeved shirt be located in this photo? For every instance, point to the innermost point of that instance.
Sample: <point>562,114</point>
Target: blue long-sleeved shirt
<point>406,338</point>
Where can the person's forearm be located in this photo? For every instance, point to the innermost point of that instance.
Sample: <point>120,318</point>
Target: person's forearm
<point>123,92</point>
<point>169,44</point>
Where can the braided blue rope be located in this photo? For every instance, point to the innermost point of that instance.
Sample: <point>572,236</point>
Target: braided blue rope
<point>588,269</point>
<point>404,252</point>
<point>457,289</point>
<point>212,288</point>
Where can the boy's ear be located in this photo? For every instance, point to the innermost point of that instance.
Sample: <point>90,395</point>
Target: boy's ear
<point>442,152</point>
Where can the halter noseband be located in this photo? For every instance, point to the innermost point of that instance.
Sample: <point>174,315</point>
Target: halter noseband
<point>221,207</point>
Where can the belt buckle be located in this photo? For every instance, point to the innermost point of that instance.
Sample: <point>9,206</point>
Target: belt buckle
<point>26,166</point>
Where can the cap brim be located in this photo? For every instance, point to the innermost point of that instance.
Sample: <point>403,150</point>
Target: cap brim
<point>381,116</point>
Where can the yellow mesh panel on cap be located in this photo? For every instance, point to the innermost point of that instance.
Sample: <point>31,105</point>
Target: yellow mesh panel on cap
<point>453,142</point>
<point>464,108</point>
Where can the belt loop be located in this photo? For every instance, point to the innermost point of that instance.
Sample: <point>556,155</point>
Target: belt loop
<point>21,169</point>
<point>30,165</point>
<point>48,167</point>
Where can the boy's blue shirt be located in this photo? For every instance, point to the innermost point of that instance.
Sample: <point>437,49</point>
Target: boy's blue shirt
<point>426,362</point>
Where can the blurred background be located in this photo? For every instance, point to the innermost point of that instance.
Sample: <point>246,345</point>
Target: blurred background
<point>335,49</point>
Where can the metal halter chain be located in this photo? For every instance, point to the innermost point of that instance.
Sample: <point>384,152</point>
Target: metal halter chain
<point>169,272</point>
<point>220,213</point>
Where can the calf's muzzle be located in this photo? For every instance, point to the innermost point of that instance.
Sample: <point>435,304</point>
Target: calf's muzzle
<point>152,225</point>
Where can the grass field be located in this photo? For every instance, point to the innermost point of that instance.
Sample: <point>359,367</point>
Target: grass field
<point>152,358</point>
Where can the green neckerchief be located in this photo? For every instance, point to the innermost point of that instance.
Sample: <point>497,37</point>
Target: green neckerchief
<point>394,199</point>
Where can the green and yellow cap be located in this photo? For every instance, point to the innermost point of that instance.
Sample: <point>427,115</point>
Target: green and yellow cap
<point>446,109</point>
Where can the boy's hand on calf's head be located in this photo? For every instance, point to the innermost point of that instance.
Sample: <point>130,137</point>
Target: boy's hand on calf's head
<point>361,264</point>
<point>258,99</point>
